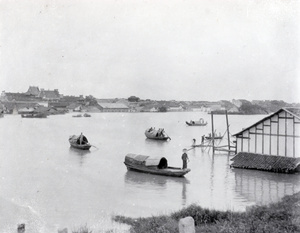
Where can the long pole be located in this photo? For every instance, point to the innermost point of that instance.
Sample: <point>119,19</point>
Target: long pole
<point>228,139</point>
<point>212,131</point>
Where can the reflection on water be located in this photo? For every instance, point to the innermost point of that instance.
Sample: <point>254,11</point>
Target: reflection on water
<point>154,182</point>
<point>156,142</point>
<point>80,154</point>
<point>265,187</point>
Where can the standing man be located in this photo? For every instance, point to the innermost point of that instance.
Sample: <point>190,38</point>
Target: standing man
<point>184,158</point>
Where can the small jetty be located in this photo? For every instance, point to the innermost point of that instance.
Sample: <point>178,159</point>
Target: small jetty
<point>272,163</point>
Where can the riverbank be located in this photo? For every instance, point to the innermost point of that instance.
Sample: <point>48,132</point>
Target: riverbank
<point>283,216</point>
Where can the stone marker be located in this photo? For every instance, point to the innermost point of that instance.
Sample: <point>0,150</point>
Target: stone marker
<point>21,228</point>
<point>186,225</point>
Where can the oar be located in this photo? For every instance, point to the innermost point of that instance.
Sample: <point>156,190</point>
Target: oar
<point>94,146</point>
<point>191,148</point>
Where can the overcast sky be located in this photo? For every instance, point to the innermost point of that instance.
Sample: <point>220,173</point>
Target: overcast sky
<point>157,49</point>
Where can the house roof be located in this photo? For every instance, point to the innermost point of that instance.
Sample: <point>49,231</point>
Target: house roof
<point>33,91</point>
<point>112,105</point>
<point>50,94</point>
<point>293,111</point>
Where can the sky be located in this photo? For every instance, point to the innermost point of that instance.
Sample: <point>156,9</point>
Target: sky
<point>164,50</point>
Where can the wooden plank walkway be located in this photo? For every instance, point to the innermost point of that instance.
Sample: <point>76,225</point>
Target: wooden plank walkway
<point>271,163</point>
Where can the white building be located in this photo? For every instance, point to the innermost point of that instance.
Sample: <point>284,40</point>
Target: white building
<point>277,134</point>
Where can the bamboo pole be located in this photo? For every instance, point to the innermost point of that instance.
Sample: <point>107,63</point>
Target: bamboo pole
<point>285,132</point>
<point>212,131</point>
<point>228,136</point>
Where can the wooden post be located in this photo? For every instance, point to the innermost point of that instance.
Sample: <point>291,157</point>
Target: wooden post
<point>270,147</point>
<point>294,137</point>
<point>228,139</point>
<point>285,132</point>
<point>212,130</point>
<point>278,135</point>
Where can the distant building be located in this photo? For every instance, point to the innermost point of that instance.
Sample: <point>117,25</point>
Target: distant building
<point>113,107</point>
<point>233,110</point>
<point>237,103</point>
<point>33,91</point>
<point>175,109</point>
<point>153,109</point>
<point>49,95</point>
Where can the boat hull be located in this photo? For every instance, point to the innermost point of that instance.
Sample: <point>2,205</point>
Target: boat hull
<point>81,147</point>
<point>33,115</point>
<point>215,138</point>
<point>169,171</point>
<point>153,136</point>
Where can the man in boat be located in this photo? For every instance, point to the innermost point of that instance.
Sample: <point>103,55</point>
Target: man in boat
<point>184,158</point>
<point>81,140</point>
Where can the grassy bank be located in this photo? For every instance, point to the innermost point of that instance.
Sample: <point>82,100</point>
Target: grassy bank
<point>283,216</point>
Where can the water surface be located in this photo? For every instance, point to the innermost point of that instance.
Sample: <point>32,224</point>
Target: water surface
<point>48,185</point>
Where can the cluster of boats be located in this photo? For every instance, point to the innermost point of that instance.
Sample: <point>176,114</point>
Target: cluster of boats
<point>140,163</point>
<point>144,163</point>
<point>84,115</point>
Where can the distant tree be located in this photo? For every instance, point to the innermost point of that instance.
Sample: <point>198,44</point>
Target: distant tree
<point>133,99</point>
<point>248,108</point>
<point>162,109</point>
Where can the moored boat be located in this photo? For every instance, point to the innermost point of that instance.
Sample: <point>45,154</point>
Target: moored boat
<point>201,122</point>
<point>79,142</point>
<point>215,137</point>
<point>86,115</point>
<point>78,115</point>
<point>155,134</point>
<point>153,165</point>
<point>34,115</point>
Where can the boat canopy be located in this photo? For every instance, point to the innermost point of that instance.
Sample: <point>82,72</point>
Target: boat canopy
<point>159,161</point>
<point>76,138</point>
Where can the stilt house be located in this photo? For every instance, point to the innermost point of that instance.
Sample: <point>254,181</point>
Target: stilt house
<point>272,143</point>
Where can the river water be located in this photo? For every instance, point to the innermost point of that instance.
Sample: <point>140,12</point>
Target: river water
<point>48,186</point>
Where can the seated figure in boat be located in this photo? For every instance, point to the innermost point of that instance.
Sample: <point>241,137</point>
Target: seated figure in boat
<point>160,133</point>
<point>151,129</point>
<point>82,140</point>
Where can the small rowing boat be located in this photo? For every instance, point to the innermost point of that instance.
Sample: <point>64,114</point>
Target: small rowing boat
<point>79,142</point>
<point>159,134</point>
<point>197,123</point>
<point>34,115</point>
<point>153,165</point>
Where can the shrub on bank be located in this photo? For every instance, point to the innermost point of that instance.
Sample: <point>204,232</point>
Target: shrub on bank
<point>283,216</point>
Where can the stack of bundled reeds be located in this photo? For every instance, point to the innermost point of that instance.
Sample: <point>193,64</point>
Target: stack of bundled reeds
<point>266,162</point>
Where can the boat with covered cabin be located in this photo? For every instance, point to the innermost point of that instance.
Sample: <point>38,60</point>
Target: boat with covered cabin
<point>201,122</point>
<point>79,142</point>
<point>156,134</point>
<point>153,165</point>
